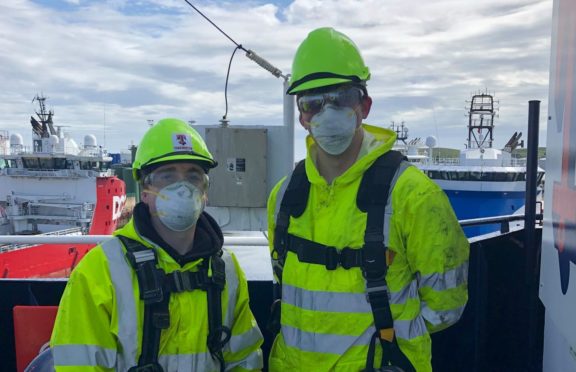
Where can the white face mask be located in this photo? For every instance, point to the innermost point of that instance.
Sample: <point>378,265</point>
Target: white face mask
<point>333,128</point>
<point>179,205</point>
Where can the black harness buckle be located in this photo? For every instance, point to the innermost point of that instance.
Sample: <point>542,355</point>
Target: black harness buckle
<point>218,278</point>
<point>181,281</point>
<point>332,258</point>
<point>150,278</point>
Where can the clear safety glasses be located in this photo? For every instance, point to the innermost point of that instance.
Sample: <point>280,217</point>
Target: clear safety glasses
<point>343,97</point>
<point>163,177</point>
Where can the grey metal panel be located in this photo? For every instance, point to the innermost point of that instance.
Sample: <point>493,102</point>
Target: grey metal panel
<point>241,178</point>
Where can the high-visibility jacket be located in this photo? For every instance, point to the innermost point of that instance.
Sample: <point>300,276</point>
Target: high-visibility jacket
<point>99,324</point>
<point>326,322</point>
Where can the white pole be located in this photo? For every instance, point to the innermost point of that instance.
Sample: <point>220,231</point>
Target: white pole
<point>289,126</point>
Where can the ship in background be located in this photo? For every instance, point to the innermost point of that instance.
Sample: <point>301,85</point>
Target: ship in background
<point>56,187</point>
<point>482,181</point>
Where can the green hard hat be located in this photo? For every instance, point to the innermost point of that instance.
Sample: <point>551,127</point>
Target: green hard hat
<point>171,140</point>
<point>326,57</point>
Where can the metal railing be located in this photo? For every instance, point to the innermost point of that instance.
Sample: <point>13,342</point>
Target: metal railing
<point>232,240</point>
<point>7,245</point>
<point>55,173</point>
<point>95,239</point>
<point>512,162</point>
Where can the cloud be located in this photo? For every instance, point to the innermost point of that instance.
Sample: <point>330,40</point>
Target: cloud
<point>109,66</point>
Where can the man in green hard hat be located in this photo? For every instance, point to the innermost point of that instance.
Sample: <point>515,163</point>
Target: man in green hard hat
<point>368,253</point>
<point>162,295</point>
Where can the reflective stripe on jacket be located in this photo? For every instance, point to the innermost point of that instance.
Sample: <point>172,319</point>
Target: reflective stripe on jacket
<point>100,319</point>
<point>326,320</point>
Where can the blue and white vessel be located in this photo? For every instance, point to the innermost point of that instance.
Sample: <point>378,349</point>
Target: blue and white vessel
<point>483,181</point>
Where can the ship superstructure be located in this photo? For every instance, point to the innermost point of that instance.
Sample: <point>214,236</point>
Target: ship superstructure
<point>483,181</point>
<point>54,187</point>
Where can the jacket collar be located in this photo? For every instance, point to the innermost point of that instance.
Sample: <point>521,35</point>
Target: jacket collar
<point>377,141</point>
<point>208,238</point>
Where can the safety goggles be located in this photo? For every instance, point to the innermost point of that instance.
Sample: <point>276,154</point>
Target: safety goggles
<point>163,177</point>
<point>343,97</point>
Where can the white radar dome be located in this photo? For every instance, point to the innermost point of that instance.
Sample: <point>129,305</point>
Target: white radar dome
<point>89,140</point>
<point>16,139</point>
<point>54,139</point>
<point>431,141</point>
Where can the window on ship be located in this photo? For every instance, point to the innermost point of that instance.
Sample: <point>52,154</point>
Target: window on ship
<point>46,163</point>
<point>59,163</point>
<point>30,163</point>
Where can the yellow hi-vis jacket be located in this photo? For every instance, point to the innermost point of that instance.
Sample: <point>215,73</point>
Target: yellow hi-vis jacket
<point>100,319</point>
<point>326,322</point>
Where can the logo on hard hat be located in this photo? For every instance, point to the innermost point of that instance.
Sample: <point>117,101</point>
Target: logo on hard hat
<point>181,142</point>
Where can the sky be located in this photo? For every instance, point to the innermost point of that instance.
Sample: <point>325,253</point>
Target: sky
<point>108,67</point>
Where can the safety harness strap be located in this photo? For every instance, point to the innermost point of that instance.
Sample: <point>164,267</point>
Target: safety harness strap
<point>330,257</point>
<point>372,198</point>
<point>155,288</point>
<point>293,204</point>
<point>155,297</point>
<point>218,334</point>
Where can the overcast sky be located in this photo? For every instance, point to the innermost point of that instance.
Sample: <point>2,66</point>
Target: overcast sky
<point>110,66</point>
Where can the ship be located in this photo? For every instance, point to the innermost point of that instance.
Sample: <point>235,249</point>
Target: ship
<point>482,181</point>
<point>54,187</point>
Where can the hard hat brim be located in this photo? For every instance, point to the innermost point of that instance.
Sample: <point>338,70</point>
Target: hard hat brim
<point>317,83</point>
<point>203,162</point>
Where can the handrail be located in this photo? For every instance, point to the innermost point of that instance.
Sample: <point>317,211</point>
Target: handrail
<point>504,221</point>
<point>95,239</point>
<point>230,240</point>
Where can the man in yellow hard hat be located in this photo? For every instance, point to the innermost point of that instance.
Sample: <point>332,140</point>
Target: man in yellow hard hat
<point>369,256</point>
<point>162,295</point>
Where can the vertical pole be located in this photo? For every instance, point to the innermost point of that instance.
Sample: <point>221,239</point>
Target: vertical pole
<point>531,172</point>
<point>530,243</point>
<point>289,127</point>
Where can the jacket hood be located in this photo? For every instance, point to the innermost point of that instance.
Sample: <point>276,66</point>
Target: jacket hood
<point>208,237</point>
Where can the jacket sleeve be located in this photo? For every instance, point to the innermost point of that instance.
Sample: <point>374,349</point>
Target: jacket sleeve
<point>437,251</point>
<point>82,339</point>
<point>271,207</point>
<point>242,352</point>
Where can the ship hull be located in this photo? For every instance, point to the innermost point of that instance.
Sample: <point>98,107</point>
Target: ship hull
<point>58,260</point>
<point>42,261</point>
<point>480,204</point>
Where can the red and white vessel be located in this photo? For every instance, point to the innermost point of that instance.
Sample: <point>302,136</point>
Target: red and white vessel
<point>54,188</point>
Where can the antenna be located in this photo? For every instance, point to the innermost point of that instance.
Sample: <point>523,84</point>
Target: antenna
<point>104,144</point>
<point>401,131</point>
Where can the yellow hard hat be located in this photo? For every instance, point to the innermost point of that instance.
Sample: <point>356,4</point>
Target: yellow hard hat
<point>171,140</point>
<point>326,57</point>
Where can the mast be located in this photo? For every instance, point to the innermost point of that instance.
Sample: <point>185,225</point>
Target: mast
<point>481,121</point>
<point>401,131</point>
<point>44,128</point>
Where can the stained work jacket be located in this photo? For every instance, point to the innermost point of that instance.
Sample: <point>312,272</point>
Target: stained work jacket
<point>326,322</point>
<point>100,320</point>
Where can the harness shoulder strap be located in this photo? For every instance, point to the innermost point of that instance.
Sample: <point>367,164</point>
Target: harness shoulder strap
<point>372,198</point>
<point>155,289</point>
<point>218,334</point>
<point>156,313</point>
<point>293,204</point>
